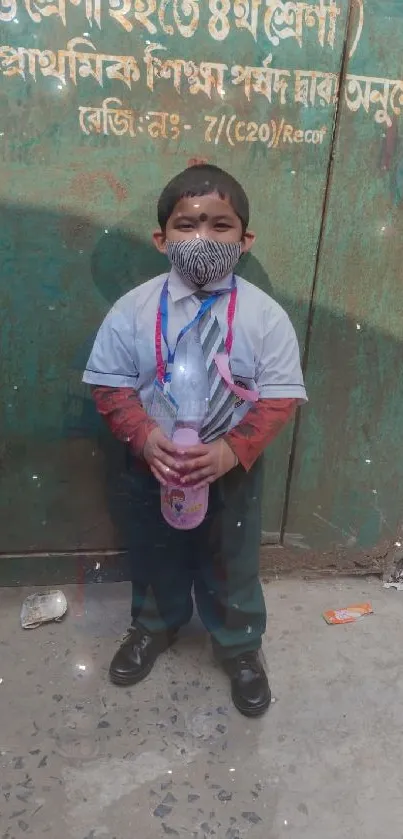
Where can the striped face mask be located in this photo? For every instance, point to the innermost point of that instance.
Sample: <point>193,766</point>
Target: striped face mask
<point>203,261</point>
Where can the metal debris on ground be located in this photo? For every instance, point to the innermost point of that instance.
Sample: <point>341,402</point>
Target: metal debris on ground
<point>395,579</point>
<point>350,614</point>
<point>397,584</point>
<point>43,608</point>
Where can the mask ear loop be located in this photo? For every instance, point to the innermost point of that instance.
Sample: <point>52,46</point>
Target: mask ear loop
<point>242,242</point>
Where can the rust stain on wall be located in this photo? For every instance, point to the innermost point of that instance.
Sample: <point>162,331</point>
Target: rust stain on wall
<point>389,146</point>
<point>90,186</point>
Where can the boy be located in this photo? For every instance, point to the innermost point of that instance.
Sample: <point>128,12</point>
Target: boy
<point>203,215</point>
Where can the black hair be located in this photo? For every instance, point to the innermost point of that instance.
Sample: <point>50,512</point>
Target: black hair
<point>203,179</point>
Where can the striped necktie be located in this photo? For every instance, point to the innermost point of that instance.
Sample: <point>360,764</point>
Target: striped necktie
<point>222,400</point>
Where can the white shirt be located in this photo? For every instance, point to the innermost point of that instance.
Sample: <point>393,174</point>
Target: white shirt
<point>264,355</point>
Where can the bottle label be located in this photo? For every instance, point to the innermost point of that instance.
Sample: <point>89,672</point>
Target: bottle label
<point>183,508</point>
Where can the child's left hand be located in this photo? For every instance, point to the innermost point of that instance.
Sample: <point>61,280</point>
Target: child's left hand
<point>205,463</point>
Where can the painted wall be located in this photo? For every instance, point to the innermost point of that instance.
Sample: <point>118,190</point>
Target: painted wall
<point>100,104</point>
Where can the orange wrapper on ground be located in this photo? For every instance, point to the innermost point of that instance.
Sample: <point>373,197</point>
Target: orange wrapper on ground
<point>348,615</point>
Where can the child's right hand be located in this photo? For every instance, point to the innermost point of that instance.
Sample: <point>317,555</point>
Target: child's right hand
<point>160,453</point>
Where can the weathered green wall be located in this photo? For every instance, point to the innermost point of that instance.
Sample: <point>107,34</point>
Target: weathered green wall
<point>347,487</point>
<point>77,210</point>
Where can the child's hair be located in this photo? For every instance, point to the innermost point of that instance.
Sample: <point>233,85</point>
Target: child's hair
<point>203,179</point>
<point>176,495</point>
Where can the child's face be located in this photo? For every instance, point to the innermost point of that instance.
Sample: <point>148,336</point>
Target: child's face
<point>204,217</point>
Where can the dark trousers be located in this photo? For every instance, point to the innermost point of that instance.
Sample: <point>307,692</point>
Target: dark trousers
<point>220,559</point>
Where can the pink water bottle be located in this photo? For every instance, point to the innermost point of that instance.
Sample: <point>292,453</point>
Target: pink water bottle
<point>184,507</point>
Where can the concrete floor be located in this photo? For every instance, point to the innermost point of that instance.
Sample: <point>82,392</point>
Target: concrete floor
<point>82,759</point>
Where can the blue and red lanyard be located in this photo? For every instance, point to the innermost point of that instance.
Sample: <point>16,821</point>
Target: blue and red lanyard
<point>161,327</point>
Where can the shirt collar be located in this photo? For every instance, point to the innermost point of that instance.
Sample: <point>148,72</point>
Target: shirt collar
<point>179,290</point>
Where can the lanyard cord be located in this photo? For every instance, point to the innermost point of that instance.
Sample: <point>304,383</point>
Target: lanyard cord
<point>161,326</point>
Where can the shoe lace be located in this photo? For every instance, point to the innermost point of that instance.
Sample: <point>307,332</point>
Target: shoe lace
<point>250,661</point>
<point>130,633</point>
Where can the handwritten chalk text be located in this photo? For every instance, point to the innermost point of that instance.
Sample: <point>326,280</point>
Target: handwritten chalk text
<point>278,20</point>
<point>381,97</point>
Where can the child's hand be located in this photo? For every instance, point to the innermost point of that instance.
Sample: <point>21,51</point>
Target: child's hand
<point>159,453</point>
<point>207,462</point>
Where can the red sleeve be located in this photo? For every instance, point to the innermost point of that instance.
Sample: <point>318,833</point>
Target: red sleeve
<point>125,415</point>
<point>263,422</point>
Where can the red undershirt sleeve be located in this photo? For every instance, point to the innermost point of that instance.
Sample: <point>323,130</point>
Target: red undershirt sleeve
<point>263,422</point>
<point>126,418</point>
<point>124,414</point>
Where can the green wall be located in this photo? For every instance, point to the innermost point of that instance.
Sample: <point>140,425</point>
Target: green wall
<point>78,189</point>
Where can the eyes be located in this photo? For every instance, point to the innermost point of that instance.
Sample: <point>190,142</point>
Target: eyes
<point>183,225</point>
<point>222,225</point>
<point>219,226</point>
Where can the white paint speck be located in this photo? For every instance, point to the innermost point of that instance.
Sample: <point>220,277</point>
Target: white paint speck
<point>97,566</point>
<point>106,230</point>
<point>34,477</point>
<point>368,460</point>
<point>248,630</point>
<point>398,544</point>
<point>82,667</point>
<point>232,769</point>
<point>1,681</point>
<point>358,327</point>
<point>239,524</point>
<point>293,172</point>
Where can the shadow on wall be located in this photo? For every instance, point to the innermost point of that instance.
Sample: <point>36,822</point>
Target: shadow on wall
<point>59,276</point>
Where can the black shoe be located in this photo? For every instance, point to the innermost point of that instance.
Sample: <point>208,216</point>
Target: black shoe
<point>251,693</point>
<point>137,655</point>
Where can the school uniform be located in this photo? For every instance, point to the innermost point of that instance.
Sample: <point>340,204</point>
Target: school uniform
<point>220,558</point>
